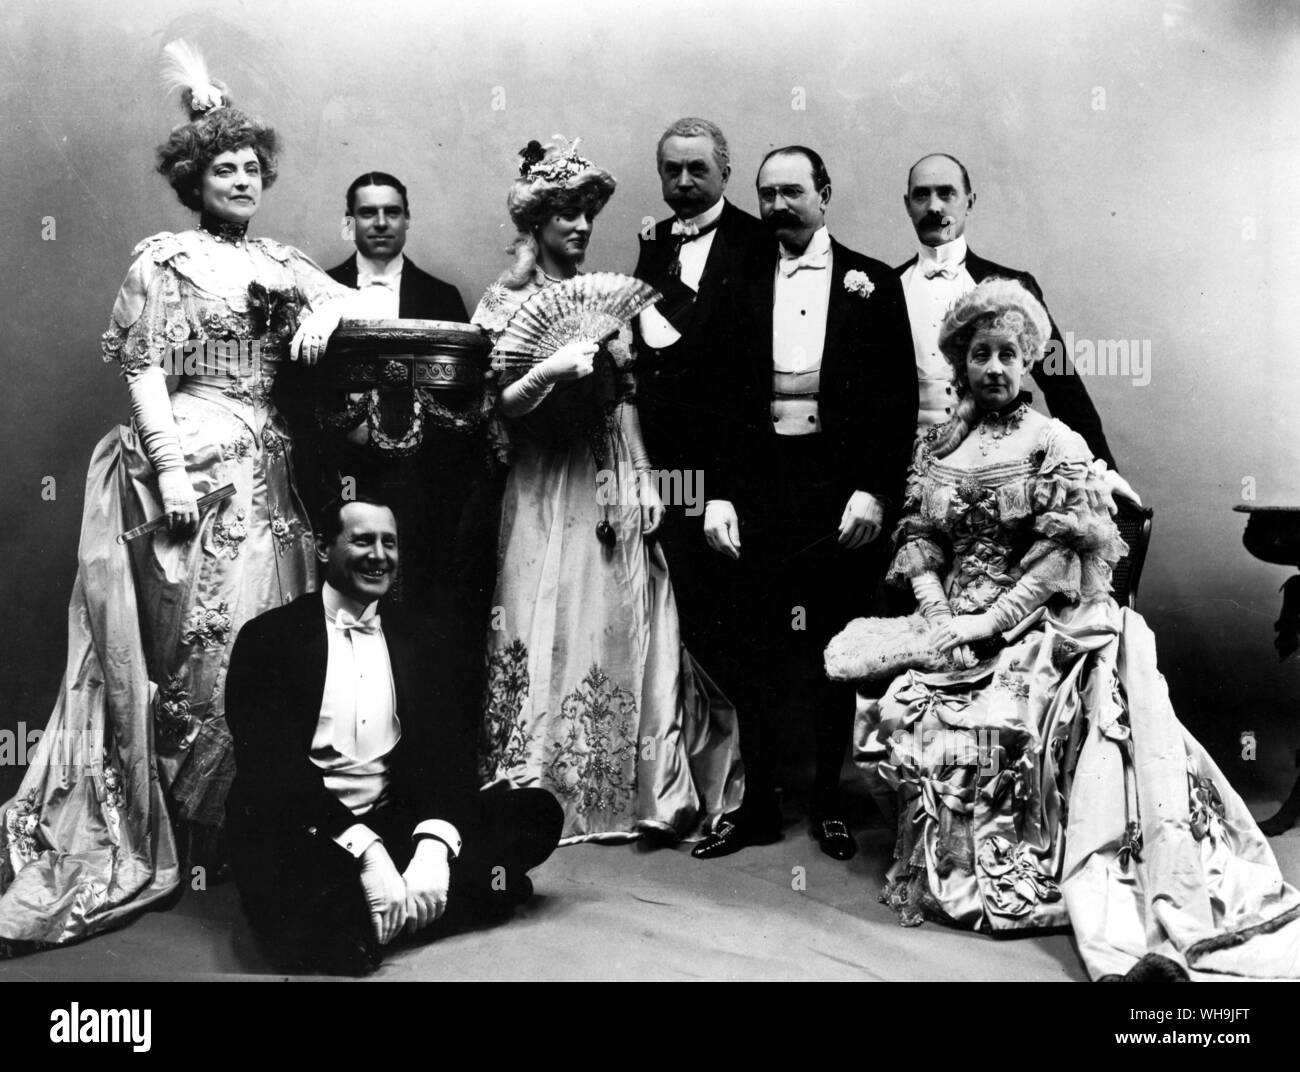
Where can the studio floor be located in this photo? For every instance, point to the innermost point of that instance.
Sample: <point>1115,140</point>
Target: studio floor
<point>602,912</point>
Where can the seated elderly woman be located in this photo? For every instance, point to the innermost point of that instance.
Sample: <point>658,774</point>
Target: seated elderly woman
<point>1042,777</point>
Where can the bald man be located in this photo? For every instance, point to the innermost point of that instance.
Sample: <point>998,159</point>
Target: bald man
<point>939,201</point>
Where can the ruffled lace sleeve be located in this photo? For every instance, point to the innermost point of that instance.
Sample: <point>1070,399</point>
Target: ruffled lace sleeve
<point>1079,542</point>
<point>149,316</point>
<point>921,546</point>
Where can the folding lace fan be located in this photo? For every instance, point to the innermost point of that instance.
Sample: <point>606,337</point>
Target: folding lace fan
<point>588,308</point>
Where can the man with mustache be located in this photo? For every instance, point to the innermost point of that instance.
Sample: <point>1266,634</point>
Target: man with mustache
<point>355,813</point>
<point>690,259</point>
<point>939,200</point>
<point>815,433</point>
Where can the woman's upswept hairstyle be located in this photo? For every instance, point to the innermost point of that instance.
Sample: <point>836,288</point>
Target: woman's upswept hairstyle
<point>997,303</point>
<point>214,127</point>
<point>552,179</point>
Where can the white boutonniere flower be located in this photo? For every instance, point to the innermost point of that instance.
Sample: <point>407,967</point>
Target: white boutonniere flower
<point>859,283</point>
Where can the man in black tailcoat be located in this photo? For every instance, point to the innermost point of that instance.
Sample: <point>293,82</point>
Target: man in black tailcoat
<point>819,405</point>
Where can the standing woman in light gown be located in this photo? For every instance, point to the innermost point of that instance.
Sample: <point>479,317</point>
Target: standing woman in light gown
<point>590,692</point>
<point>138,738</point>
<point>1043,779</point>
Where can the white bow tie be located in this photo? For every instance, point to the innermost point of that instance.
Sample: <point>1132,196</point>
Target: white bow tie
<point>789,265</point>
<point>947,270</point>
<point>376,281</point>
<point>685,229</point>
<point>346,623</point>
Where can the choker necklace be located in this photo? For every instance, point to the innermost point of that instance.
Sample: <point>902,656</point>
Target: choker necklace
<point>996,425</point>
<point>222,230</point>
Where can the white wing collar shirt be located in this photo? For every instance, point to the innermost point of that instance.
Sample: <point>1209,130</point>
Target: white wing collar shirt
<point>358,726</point>
<point>697,235</point>
<point>931,285</point>
<point>380,285</point>
<point>799,303</point>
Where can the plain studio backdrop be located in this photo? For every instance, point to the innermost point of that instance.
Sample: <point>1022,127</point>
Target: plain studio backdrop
<point>1139,158</point>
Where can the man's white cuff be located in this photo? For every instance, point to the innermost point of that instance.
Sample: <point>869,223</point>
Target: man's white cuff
<point>443,831</point>
<point>356,839</point>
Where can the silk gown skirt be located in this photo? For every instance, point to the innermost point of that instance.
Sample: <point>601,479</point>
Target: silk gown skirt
<point>138,731</point>
<point>591,693</point>
<point>1055,787</point>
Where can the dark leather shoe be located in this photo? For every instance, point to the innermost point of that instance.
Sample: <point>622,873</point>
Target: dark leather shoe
<point>834,837</point>
<point>732,835</point>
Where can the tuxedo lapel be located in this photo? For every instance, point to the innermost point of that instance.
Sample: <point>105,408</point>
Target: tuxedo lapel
<point>715,266</point>
<point>977,267</point>
<point>657,254</point>
<point>313,658</point>
<point>762,298</point>
<point>408,294</point>
<point>347,272</point>
<point>399,659</point>
<point>837,305</point>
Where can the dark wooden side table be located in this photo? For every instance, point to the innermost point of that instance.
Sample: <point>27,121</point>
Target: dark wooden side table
<point>1273,535</point>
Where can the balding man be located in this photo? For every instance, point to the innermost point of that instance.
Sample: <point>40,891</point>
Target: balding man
<point>939,201</point>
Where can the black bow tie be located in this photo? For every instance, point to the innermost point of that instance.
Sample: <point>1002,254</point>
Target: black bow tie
<point>681,239</point>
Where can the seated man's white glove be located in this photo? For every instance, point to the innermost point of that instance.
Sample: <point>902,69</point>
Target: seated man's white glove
<point>313,333</point>
<point>385,892</point>
<point>428,880</point>
<point>571,362</point>
<point>722,527</point>
<point>862,520</point>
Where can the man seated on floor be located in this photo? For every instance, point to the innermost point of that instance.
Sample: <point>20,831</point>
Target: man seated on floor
<point>355,812</point>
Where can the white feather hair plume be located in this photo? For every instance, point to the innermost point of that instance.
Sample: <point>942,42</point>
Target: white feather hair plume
<point>184,68</point>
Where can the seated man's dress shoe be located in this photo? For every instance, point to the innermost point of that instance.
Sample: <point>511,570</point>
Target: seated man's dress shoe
<point>735,833</point>
<point>834,837</point>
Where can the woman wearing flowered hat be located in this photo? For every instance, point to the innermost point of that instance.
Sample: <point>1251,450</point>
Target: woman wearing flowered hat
<point>590,694</point>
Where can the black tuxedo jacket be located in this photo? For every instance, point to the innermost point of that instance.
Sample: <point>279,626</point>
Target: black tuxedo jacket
<point>675,384</point>
<point>422,296</point>
<point>274,687</point>
<point>868,395</point>
<point>1063,391</point>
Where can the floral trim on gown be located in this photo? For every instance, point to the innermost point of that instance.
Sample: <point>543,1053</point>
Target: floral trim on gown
<point>138,732</point>
<point>1052,784</point>
<point>590,692</point>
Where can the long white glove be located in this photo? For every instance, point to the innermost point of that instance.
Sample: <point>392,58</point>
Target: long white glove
<point>930,600</point>
<point>151,408</point>
<point>652,506</point>
<point>313,334</point>
<point>1028,594</point>
<point>571,362</point>
<point>936,610</point>
<point>385,892</point>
